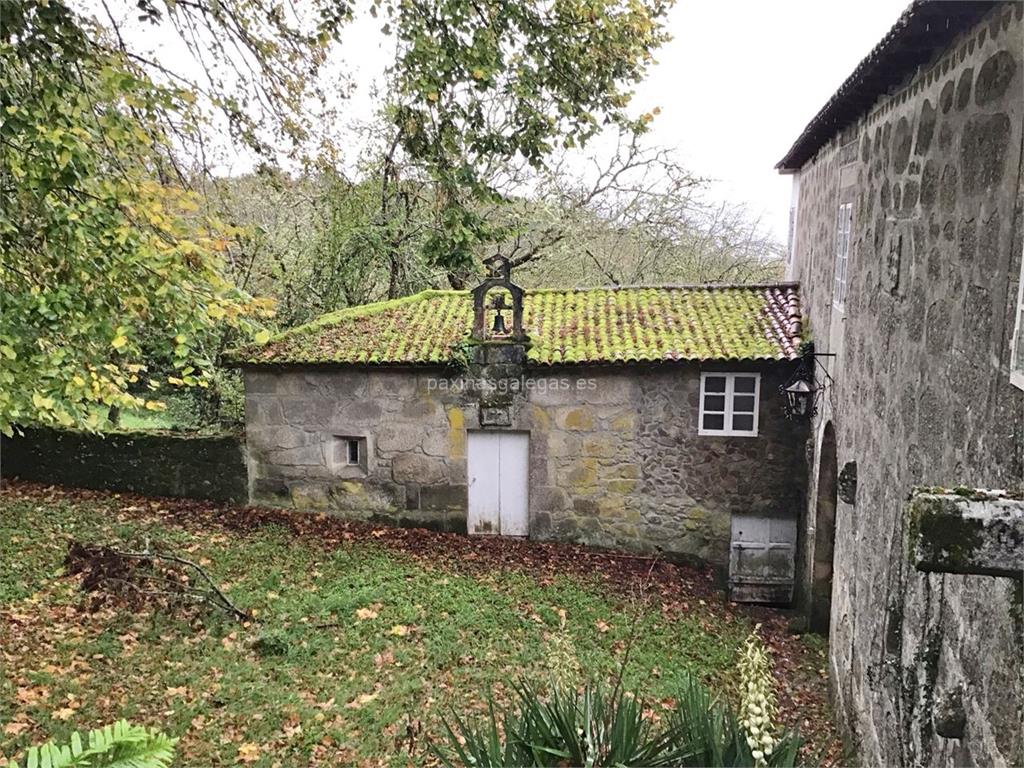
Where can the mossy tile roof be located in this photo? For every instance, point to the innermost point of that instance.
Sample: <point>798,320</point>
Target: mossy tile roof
<point>598,325</point>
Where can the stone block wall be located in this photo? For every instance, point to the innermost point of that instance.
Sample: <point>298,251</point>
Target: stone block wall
<point>922,395</point>
<point>615,459</point>
<point>413,435</point>
<point>152,463</point>
<point>619,462</point>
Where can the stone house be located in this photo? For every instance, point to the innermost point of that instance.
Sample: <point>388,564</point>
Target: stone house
<point>648,419</point>
<point>906,241</point>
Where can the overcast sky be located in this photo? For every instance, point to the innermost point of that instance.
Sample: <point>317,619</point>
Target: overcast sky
<point>741,79</point>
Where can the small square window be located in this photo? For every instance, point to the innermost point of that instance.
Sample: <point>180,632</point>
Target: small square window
<point>745,384</point>
<point>348,453</point>
<point>743,404</point>
<point>728,404</point>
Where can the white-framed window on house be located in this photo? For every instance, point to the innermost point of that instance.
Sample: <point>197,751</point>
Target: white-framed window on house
<point>843,227</point>
<point>791,237</point>
<point>729,404</point>
<point>1017,348</point>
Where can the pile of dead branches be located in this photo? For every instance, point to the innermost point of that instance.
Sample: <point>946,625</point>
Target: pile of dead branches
<point>146,579</point>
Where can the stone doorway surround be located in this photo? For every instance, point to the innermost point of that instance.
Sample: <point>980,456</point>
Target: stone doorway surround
<point>824,532</point>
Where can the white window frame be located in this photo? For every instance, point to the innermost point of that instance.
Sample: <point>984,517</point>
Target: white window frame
<point>840,283</point>
<point>1017,345</point>
<point>791,237</point>
<point>730,392</point>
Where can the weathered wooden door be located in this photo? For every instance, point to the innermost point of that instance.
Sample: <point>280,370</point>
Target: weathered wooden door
<point>762,559</point>
<point>498,468</point>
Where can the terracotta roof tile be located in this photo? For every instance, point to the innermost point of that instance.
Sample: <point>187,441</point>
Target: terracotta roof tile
<point>599,325</point>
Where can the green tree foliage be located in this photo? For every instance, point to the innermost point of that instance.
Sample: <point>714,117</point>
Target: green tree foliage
<point>633,215</point>
<point>109,262</point>
<point>321,242</point>
<point>105,262</point>
<point>120,745</point>
<point>482,83</point>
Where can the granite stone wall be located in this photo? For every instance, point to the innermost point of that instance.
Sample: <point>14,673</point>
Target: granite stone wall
<point>927,668</point>
<point>615,459</point>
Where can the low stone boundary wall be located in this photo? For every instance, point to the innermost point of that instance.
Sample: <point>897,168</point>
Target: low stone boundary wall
<point>152,463</point>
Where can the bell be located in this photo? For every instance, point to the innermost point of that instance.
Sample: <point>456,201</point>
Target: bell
<point>499,329</point>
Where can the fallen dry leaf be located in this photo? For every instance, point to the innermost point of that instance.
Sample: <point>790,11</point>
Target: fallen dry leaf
<point>249,752</point>
<point>361,701</point>
<point>28,696</point>
<point>365,614</point>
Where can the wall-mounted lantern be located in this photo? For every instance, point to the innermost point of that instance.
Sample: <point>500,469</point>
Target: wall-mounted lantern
<point>800,396</point>
<point>802,391</point>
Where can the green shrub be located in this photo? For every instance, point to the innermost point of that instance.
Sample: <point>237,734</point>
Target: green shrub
<point>220,404</point>
<point>598,727</point>
<point>121,745</point>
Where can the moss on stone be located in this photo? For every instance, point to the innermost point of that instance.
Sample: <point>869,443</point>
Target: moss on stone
<point>564,326</point>
<point>579,418</point>
<point>625,422</point>
<point>941,535</point>
<point>456,433</point>
<point>584,473</point>
<point>621,486</point>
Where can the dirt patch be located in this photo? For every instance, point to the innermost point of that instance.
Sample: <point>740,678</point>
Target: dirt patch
<point>138,580</point>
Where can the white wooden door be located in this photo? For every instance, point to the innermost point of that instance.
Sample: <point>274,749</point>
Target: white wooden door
<point>762,559</point>
<point>498,469</point>
<point>513,483</point>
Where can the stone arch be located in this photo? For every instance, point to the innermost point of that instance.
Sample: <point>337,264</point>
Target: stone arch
<point>824,531</point>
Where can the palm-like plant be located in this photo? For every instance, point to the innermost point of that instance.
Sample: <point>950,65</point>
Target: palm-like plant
<point>598,727</point>
<point>120,745</point>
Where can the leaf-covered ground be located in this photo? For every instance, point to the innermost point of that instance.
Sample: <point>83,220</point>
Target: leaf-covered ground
<point>366,637</point>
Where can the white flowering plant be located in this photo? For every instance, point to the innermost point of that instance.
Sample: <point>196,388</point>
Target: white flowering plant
<point>757,699</point>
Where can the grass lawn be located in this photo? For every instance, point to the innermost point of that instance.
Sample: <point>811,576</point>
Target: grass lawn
<point>144,421</point>
<point>366,636</point>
